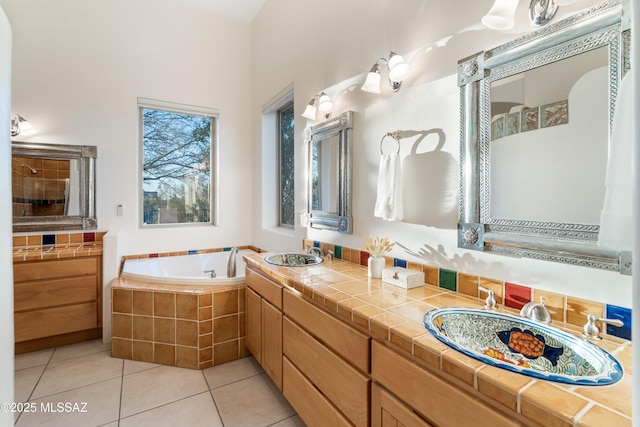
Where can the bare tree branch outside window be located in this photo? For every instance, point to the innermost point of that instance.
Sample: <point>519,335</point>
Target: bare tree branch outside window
<point>286,162</point>
<point>176,167</point>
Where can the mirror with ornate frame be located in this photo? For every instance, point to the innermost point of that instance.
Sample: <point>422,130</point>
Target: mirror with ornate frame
<point>492,219</point>
<point>329,174</point>
<point>53,186</point>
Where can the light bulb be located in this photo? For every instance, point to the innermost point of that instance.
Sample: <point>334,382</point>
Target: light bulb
<point>398,68</point>
<point>324,103</point>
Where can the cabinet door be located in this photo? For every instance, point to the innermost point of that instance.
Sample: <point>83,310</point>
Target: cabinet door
<point>272,342</point>
<point>253,331</point>
<point>387,411</point>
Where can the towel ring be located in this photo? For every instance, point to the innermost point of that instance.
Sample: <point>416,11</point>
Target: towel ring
<point>395,135</point>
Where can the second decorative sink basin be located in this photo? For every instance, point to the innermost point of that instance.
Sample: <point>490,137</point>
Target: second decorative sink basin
<point>293,260</point>
<point>523,346</point>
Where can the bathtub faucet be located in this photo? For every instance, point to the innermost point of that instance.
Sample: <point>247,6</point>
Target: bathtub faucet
<point>231,265</point>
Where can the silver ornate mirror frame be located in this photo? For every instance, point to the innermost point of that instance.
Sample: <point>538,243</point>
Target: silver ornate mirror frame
<point>86,155</point>
<point>341,220</point>
<point>570,243</point>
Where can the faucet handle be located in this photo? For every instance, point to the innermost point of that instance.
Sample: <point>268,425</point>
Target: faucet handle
<point>591,329</point>
<point>330,255</point>
<point>490,303</point>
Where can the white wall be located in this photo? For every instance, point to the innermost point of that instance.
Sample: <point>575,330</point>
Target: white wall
<point>330,45</point>
<point>78,68</point>
<point>6,278</point>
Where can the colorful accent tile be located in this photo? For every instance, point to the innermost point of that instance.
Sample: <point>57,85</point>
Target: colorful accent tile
<point>620,313</point>
<point>516,296</point>
<point>397,262</point>
<point>337,252</point>
<point>153,255</point>
<point>316,244</point>
<point>48,239</point>
<point>88,237</point>
<point>448,279</point>
<point>192,252</point>
<point>364,258</point>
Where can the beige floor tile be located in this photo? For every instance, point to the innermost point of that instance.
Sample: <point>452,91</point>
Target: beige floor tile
<point>133,366</point>
<point>24,381</point>
<point>29,360</point>
<point>195,411</point>
<point>230,372</point>
<point>158,386</point>
<point>77,372</point>
<point>253,402</point>
<point>102,403</point>
<point>294,421</point>
<point>81,349</point>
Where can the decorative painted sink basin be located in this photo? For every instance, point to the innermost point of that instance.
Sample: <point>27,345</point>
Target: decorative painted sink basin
<point>520,345</point>
<point>293,260</point>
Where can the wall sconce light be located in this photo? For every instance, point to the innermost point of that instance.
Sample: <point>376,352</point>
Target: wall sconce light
<point>398,71</point>
<point>325,105</point>
<point>20,125</point>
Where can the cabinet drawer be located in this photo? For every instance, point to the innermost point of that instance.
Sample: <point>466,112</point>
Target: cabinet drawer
<point>267,288</point>
<point>340,337</point>
<point>309,403</point>
<point>53,269</point>
<point>347,388</point>
<point>387,411</point>
<point>435,399</point>
<point>33,295</point>
<point>54,321</point>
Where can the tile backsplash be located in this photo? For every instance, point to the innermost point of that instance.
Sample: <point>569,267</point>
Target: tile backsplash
<point>563,308</point>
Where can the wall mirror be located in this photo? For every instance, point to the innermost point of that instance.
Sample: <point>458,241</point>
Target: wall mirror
<point>53,186</point>
<point>536,118</point>
<point>329,174</point>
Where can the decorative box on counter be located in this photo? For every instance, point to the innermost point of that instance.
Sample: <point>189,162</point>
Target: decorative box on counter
<point>402,277</point>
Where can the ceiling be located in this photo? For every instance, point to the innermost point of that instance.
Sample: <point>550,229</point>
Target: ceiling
<point>244,10</point>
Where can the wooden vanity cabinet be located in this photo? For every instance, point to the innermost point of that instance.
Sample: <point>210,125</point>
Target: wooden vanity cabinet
<point>411,388</point>
<point>57,302</point>
<point>263,301</point>
<point>327,358</point>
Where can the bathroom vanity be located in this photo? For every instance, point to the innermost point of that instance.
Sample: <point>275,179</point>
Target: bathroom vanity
<point>354,351</point>
<point>57,295</point>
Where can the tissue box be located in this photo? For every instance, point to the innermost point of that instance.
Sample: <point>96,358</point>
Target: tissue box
<point>402,277</point>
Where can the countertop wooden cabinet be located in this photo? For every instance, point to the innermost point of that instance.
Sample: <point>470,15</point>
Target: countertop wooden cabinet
<point>332,357</point>
<point>437,401</point>
<point>57,302</point>
<point>263,301</point>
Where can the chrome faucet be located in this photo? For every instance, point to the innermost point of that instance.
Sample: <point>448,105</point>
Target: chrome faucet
<point>490,303</point>
<point>315,251</point>
<point>211,272</point>
<point>231,264</point>
<point>536,311</point>
<point>592,331</point>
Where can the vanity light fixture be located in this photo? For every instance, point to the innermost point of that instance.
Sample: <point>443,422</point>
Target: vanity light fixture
<point>20,125</point>
<point>398,71</point>
<point>325,105</point>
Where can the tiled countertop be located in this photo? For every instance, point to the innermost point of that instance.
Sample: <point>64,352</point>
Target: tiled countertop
<point>390,313</point>
<point>44,252</point>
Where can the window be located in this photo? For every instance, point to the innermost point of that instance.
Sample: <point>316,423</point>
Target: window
<point>286,168</point>
<point>177,147</point>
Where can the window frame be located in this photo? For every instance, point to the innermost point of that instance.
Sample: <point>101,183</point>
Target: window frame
<point>173,107</point>
<point>285,106</point>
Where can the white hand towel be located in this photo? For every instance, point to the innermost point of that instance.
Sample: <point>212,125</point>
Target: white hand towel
<point>616,222</point>
<point>389,200</point>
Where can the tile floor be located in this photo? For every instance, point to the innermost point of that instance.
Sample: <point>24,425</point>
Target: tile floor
<point>58,382</point>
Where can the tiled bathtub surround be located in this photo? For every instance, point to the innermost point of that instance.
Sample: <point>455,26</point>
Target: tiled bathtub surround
<point>187,326</point>
<point>52,246</point>
<point>563,308</point>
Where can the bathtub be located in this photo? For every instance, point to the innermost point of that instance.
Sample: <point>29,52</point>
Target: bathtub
<point>186,269</point>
